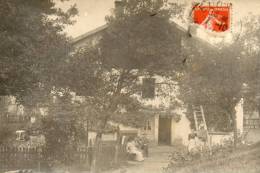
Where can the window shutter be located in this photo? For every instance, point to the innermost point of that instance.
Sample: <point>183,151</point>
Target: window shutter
<point>148,88</point>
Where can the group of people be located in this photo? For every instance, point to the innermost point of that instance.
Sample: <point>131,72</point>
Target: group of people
<point>198,140</point>
<point>137,147</point>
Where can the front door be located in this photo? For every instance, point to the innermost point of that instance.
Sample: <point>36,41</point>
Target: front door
<point>164,133</point>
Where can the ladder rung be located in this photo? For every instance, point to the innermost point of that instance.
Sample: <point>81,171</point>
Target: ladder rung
<point>198,113</point>
<point>199,118</point>
<point>196,107</point>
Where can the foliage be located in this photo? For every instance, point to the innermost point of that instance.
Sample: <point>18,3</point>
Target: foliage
<point>182,158</point>
<point>134,40</point>
<point>85,74</point>
<point>5,133</point>
<point>64,130</point>
<point>214,79</point>
<point>251,63</point>
<point>108,74</point>
<point>225,159</point>
<point>32,45</point>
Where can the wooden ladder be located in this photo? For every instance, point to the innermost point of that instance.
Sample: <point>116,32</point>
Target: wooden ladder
<point>199,119</point>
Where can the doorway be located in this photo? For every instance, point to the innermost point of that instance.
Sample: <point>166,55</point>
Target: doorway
<point>164,134</point>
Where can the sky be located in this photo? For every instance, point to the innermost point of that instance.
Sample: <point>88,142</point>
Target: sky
<point>91,15</point>
<point>92,12</point>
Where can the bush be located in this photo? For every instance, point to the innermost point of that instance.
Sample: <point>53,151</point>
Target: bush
<point>181,157</point>
<point>5,133</point>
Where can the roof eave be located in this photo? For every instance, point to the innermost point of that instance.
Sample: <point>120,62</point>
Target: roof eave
<point>88,34</point>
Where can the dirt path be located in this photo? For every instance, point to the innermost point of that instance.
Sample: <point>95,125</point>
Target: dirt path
<point>157,160</point>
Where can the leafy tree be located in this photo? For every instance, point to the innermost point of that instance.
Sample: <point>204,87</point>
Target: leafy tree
<point>140,41</point>
<point>216,78</point>
<point>32,45</point>
<point>64,130</point>
<point>251,63</point>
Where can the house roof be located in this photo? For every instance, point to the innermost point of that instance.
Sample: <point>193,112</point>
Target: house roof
<point>104,27</point>
<point>89,33</point>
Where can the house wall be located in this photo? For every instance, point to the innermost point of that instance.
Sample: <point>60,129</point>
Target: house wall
<point>240,116</point>
<point>151,135</point>
<point>156,128</point>
<point>180,131</point>
<point>92,40</point>
<point>166,94</point>
<point>166,91</point>
<point>220,138</point>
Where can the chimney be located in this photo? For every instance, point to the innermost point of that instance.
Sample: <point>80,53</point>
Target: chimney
<point>119,7</point>
<point>118,3</point>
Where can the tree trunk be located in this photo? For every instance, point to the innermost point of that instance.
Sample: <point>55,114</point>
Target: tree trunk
<point>112,108</point>
<point>97,144</point>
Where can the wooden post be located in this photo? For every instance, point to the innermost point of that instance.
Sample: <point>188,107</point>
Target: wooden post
<point>39,158</point>
<point>117,144</point>
<point>235,129</point>
<point>87,132</point>
<point>96,150</point>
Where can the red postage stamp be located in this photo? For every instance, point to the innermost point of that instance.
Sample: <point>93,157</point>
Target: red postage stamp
<point>213,18</point>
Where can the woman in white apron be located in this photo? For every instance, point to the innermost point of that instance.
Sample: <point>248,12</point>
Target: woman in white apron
<point>132,149</point>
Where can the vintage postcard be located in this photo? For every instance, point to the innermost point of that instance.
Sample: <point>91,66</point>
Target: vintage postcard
<point>129,86</point>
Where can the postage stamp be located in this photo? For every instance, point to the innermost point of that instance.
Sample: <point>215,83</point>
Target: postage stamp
<point>215,18</point>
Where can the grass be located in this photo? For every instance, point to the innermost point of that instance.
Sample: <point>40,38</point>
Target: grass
<point>242,160</point>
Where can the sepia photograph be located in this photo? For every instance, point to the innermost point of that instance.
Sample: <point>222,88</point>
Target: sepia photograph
<point>129,86</point>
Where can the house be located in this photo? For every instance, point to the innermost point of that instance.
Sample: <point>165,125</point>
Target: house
<point>10,110</point>
<point>167,123</point>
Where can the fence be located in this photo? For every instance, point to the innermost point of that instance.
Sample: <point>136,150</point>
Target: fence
<point>111,155</point>
<point>252,123</point>
<point>14,158</point>
<point>12,118</point>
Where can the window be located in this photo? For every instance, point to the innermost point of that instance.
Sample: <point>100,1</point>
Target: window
<point>148,125</point>
<point>148,88</point>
